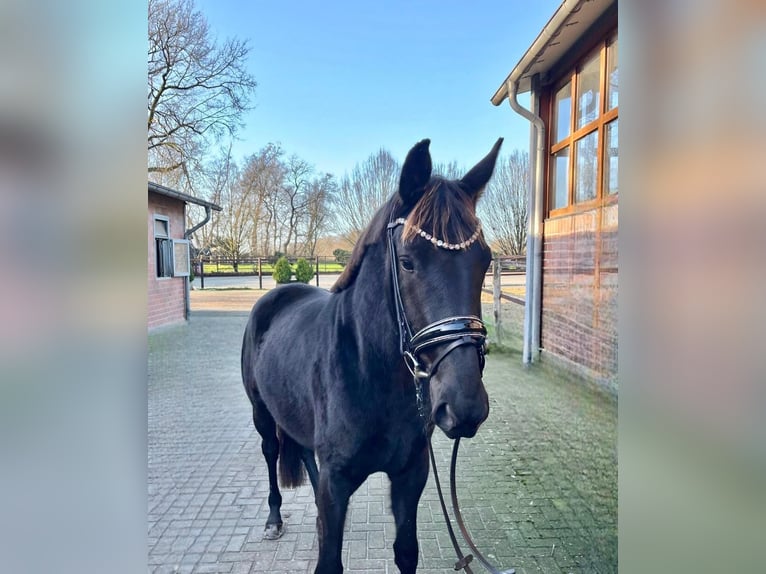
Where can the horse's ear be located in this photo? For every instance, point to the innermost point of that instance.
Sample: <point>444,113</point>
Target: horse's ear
<point>416,172</point>
<point>475,180</point>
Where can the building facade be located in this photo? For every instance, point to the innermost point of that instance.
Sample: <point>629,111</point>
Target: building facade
<point>168,254</point>
<point>572,74</point>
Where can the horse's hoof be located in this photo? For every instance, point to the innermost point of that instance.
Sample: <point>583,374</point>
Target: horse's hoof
<point>273,532</point>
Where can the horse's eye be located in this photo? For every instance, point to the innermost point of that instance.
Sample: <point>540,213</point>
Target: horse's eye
<point>406,264</point>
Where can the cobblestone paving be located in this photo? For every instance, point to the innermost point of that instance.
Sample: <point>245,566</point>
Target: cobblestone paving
<point>538,484</point>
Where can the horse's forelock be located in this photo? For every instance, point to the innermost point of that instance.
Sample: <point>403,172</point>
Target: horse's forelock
<point>445,211</point>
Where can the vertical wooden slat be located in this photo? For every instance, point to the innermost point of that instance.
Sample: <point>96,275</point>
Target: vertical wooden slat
<point>496,300</point>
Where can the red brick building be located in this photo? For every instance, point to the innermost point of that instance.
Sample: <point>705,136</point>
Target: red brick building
<point>168,257</point>
<point>571,73</point>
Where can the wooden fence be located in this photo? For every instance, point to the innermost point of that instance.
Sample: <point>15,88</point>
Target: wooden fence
<point>260,266</point>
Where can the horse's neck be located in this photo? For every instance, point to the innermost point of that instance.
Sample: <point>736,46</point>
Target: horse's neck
<point>368,309</point>
<point>369,304</point>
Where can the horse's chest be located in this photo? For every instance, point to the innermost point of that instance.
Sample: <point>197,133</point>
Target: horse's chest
<point>391,449</point>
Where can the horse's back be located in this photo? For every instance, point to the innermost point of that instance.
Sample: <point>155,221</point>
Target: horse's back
<point>281,307</point>
<point>283,299</point>
<point>280,348</point>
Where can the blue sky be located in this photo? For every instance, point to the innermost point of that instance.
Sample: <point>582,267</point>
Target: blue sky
<point>339,80</point>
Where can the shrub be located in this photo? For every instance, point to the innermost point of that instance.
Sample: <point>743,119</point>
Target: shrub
<point>282,270</point>
<point>341,256</point>
<point>304,271</point>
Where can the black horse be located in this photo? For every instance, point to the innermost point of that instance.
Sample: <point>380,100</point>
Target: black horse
<point>330,374</point>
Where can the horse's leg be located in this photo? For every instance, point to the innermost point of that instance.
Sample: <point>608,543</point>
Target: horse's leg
<point>307,455</point>
<point>267,428</point>
<point>406,489</point>
<point>335,490</point>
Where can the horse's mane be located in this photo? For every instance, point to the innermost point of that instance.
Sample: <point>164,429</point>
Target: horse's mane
<point>444,210</point>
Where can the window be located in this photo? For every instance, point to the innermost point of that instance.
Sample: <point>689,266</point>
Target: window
<point>583,148</point>
<point>181,258</point>
<point>588,91</point>
<point>563,112</point>
<point>163,246</point>
<point>610,162</point>
<point>172,255</point>
<point>612,75</point>
<point>560,179</point>
<point>586,169</point>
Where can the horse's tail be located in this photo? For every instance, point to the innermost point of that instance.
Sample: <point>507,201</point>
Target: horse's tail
<point>292,473</point>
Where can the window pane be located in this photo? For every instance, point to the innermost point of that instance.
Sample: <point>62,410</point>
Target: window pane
<point>164,253</point>
<point>586,167</point>
<point>562,112</point>
<point>161,228</point>
<point>180,258</point>
<point>559,194</point>
<point>159,257</point>
<point>588,94</point>
<point>610,158</point>
<point>612,75</point>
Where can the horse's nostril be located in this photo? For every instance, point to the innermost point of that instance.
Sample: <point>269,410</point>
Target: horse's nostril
<point>444,417</point>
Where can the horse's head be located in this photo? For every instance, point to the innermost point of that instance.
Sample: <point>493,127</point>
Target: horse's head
<point>441,260</point>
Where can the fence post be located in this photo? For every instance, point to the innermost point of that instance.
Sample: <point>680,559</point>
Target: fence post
<point>496,300</point>
<point>260,275</point>
<point>201,274</point>
<point>317,269</point>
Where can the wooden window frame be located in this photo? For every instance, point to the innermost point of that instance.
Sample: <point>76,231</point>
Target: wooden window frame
<point>598,125</point>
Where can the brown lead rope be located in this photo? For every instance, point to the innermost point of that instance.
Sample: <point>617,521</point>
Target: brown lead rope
<point>463,561</point>
<point>459,517</point>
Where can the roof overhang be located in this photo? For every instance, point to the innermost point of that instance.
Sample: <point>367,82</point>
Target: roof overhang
<point>565,28</point>
<point>168,192</point>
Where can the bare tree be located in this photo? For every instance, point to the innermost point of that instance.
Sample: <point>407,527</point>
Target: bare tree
<point>316,215</point>
<point>198,90</point>
<point>235,228</point>
<point>504,206</point>
<point>295,192</point>
<point>360,194</point>
<point>214,177</point>
<point>264,175</point>
<point>449,170</point>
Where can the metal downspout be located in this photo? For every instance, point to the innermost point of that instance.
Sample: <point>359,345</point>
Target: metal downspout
<point>187,234</point>
<point>532,309</point>
<point>208,214</point>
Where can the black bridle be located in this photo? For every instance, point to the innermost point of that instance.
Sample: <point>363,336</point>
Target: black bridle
<point>453,332</point>
<point>457,331</point>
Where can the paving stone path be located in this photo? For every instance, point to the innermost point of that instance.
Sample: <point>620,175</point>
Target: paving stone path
<point>538,484</point>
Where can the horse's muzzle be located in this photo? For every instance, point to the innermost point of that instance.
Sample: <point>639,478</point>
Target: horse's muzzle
<point>462,423</point>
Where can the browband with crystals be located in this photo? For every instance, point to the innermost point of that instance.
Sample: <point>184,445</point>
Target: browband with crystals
<point>440,242</point>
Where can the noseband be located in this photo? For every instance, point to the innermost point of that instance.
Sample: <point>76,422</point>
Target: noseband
<point>453,332</point>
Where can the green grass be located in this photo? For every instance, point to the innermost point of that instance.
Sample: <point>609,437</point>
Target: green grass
<point>511,345</point>
<point>230,289</point>
<point>266,268</point>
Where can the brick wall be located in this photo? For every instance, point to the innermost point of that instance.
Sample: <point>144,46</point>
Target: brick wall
<point>165,295</point>
<point>580,288</point>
